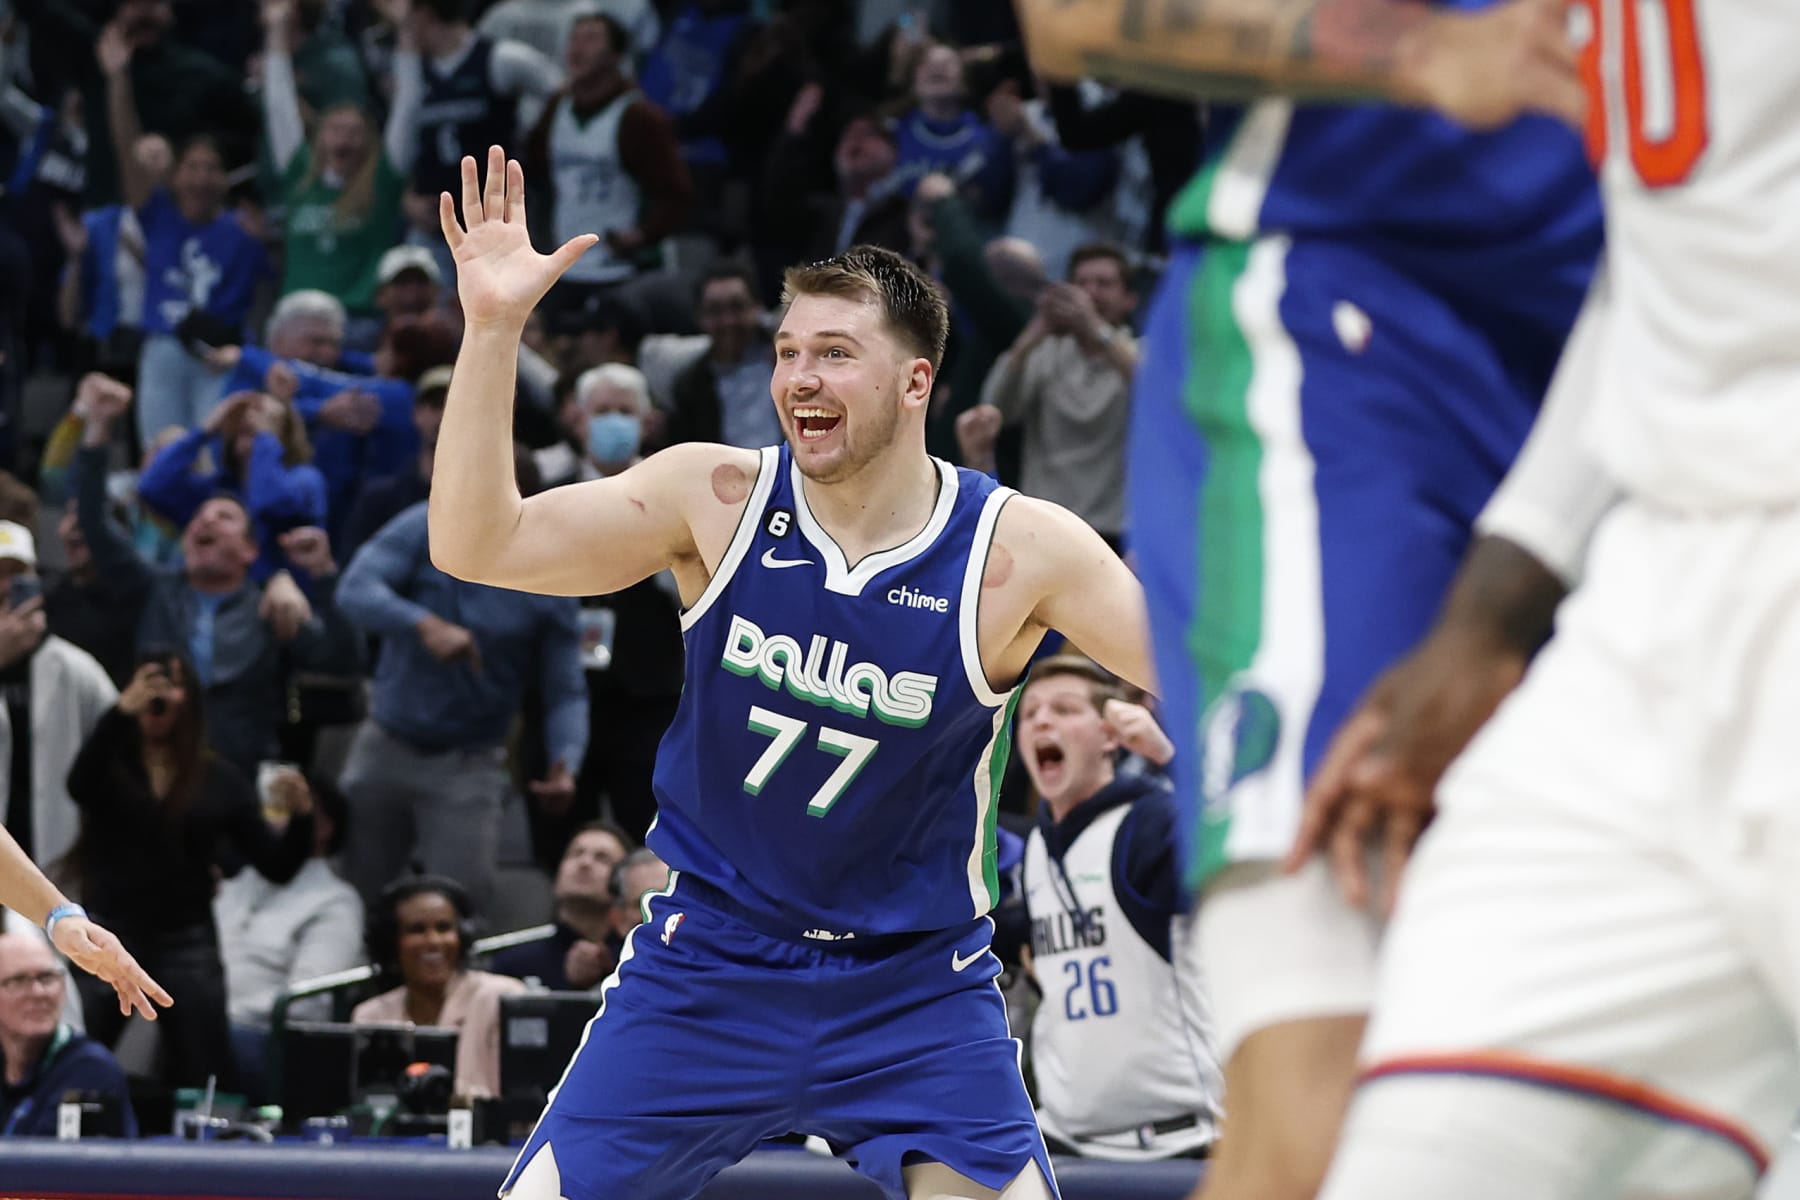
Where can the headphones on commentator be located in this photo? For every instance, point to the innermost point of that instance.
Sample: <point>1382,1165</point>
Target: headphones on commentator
<point>381,932</point>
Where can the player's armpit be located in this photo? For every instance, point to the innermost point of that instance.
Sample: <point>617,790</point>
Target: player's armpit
<point>1079,587</point>
<point>587,539</point>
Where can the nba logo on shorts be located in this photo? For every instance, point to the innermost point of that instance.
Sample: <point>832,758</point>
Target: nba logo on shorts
<point>671,925</point>
<point>1238,736</point>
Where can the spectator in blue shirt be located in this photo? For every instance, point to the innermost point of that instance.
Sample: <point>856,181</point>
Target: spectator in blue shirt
<point>245,646</point>
<point>202,267</point>
<point>254,449</point>
<point>384,499</point>
<point>361,425</point>
<point>942,134</point>
<point>688,73</point>
<point>426,774</point>
<point>42,1056</point>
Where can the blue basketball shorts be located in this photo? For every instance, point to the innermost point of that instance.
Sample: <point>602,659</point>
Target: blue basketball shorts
<point>713,1036</point>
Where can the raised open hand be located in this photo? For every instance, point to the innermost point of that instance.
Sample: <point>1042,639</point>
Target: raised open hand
<point>499,277</point>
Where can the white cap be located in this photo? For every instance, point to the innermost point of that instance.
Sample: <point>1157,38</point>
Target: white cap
<point>407,258</point>
<point>17,543</point>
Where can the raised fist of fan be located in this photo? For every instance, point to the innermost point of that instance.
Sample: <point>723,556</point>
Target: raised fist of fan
<point>499,277</point>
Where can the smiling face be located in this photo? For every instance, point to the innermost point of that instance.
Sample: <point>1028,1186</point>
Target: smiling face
<point>199,181</point>
<point>344,140</point>
<point>842,385</point>
<point>31,988</point>
<point>429,946</point>
<point>1067,746</point>
<point>938,78</point>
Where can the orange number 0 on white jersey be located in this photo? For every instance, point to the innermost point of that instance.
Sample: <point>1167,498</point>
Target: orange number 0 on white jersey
<point>1669,67</point>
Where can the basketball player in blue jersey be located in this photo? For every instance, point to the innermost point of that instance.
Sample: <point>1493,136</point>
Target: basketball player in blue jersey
<point>857,617</point>
<point>1363,308</point>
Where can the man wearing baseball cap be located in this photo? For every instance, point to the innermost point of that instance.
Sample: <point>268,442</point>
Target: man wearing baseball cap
<point>408,282</point>
<point>52,693</point>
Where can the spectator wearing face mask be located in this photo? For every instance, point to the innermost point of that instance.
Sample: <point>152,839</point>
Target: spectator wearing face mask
<point>631,650</point>
<point>724,396</point>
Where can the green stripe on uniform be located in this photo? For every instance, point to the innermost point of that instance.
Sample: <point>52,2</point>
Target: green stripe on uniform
<point>1226,628</point>
<point>1187,215</point>
<point>990,865</point>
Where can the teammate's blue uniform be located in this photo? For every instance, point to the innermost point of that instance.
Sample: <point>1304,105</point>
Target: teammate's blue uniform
<point>1362,313</point>
<point>827,795</point>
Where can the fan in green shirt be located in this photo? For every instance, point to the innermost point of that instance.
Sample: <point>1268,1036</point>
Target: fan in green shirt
<point>341,193</point>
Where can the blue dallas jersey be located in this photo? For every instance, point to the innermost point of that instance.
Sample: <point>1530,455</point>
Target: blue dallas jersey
<point>837,754</point>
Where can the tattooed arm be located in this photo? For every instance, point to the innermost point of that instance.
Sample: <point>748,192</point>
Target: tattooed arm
<point>1483,68</point>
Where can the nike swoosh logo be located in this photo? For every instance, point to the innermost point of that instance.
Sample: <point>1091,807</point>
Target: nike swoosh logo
<point>959,963</point>
<point>775,564</point>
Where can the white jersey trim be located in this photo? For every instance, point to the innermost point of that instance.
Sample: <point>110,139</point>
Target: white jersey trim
<point>969,608</point>
<point>748,523</point>
<point>987,797</point>
<point>839,577</point>
<point>1234,209</point>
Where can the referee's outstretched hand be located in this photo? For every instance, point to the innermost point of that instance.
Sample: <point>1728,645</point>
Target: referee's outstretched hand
<point>499,276</point>
<point>98,951</point>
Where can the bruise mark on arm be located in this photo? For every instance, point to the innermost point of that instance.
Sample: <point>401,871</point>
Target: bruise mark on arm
<point>999,566</point>
<point>730,483</point>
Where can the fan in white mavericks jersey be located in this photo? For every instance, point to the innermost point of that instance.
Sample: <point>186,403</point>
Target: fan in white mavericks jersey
<point>1588,988</point>
<point>857,616</point>
<point>1122,1045</point>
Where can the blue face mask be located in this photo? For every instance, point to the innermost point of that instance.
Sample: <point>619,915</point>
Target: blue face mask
<point>613,437</point>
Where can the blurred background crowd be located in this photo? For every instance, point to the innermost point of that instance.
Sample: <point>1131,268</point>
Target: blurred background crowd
<point>242,711</point>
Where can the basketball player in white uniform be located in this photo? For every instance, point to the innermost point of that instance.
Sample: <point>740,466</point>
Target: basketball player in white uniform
<point>1122,1043</point>
<point>1589,988</point>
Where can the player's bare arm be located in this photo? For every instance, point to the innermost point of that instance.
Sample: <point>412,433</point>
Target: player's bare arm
<point>675,510</point>
<point>1482,68</point>
<point>1047,569</point>
<point>25,890</point>
<point>1376,783</point>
